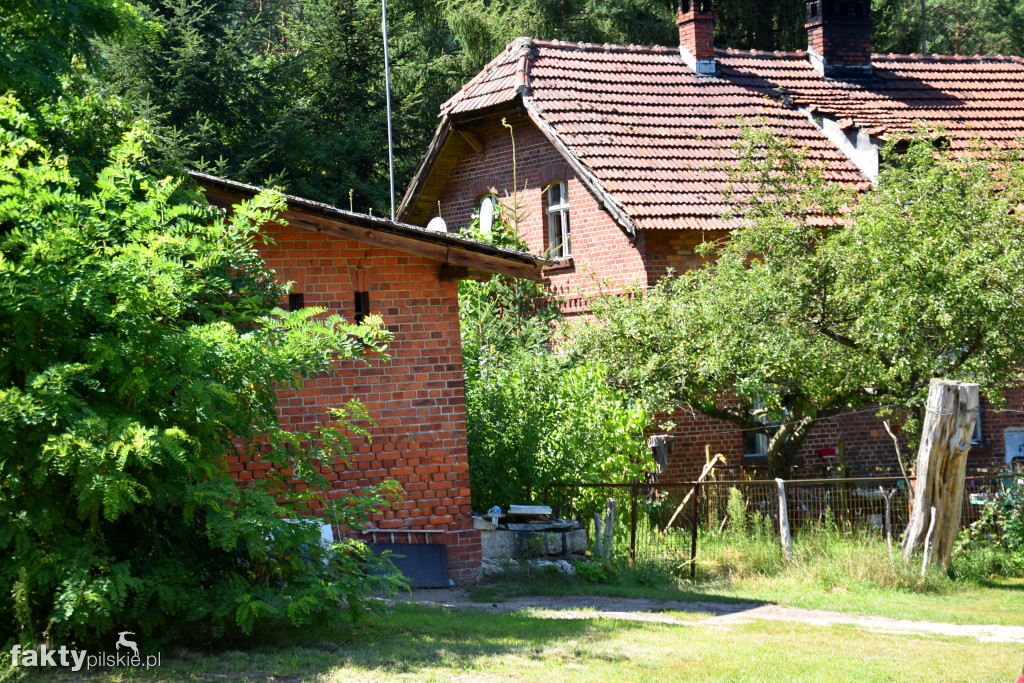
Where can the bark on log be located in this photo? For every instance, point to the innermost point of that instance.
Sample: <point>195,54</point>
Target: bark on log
<point>950,414</point>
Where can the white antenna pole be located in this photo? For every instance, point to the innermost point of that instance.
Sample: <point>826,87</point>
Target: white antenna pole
<point>387,88</point>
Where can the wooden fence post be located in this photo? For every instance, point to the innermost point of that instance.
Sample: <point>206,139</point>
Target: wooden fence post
<point>693,522</point>
<point>632,525</point>
<point>787,540</point>
<point>609,529</point>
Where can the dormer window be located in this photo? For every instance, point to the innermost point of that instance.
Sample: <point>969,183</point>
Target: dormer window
<point>557,210</point>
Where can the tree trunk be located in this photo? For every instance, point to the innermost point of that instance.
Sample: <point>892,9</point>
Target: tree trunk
<point>950,414</point>
<point>785,444</point>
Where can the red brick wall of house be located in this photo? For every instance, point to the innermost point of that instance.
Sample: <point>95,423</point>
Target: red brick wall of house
<point>416,400</point>
<point>869,448</point>
<point>602,250</point>
<point>675,249</point>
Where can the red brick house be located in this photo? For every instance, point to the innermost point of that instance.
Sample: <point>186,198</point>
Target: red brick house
<point>624,152</point>
<point>352,265</point>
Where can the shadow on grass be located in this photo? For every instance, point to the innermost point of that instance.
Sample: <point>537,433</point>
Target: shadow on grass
<point>503,588</point>
<point>412,640</point>
<point>1016,585</point>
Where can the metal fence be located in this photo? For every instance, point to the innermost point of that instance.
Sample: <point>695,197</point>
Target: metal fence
<point>663,521</point>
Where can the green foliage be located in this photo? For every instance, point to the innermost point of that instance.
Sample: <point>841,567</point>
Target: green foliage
<point>787,323</point>
<point>953,27</point>
<point>140,344</point>
<point>40,39</point>
<point>287,95</point>
<point>736,509</point>
<point>533,421</point>
<point>535,417</point>
<point>994,545</point>
<point>292,94</point>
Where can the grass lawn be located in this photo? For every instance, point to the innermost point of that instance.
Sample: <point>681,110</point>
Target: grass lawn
<point>416,643</point>
<point>996,601</point>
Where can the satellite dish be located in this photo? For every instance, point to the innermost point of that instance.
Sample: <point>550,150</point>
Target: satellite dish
<point>437,224</point>
<point>486,215</point>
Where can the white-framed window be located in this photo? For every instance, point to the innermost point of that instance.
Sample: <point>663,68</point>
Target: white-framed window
<point>557,210</point>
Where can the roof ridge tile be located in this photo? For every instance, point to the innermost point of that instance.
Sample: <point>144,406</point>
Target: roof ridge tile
<point>605,47</point>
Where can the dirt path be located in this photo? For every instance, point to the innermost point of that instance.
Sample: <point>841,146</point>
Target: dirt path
<point>714,614</point>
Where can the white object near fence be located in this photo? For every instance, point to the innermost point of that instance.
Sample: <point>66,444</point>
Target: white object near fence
<point>787,540</point>
<point>609,528</point>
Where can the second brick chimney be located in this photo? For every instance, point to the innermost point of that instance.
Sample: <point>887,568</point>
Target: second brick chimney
<point>697,35</point>
<point>839,37</point>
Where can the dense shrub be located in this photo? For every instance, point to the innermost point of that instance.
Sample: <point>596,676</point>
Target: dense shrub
<point>139,344</point>
<point>535,416</point>
<point>533,421</point>
<point>994,545</point>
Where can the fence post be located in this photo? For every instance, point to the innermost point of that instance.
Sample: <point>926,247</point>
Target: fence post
<point>632,525</point>
<point>787,541</point>
<point>609,529</point>
<point>693,523</point>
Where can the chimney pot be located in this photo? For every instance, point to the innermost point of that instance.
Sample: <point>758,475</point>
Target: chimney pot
<point>839,37</point>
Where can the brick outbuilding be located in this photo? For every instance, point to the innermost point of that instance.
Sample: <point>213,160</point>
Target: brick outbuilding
<point>639,140</point>
<point>352,264</point>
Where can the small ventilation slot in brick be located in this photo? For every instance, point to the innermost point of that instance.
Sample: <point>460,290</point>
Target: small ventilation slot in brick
<point>295,301</point>
<point>362,306</point>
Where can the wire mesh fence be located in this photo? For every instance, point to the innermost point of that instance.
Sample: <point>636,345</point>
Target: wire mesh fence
<point>669,522</point>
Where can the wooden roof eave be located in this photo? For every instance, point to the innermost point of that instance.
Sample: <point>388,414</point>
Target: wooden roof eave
<point>442,136</point>
<point>442,155</point>
<point>446,248</point>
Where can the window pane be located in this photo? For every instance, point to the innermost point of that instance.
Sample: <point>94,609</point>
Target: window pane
<point>554,235</point>
<point>566,247</point>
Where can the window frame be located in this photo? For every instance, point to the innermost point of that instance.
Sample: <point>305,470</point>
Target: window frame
<point>556,220</point>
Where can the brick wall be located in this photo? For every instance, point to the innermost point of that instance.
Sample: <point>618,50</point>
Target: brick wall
<point>869,448</point>
<point>417,399</point>
<point>675,249</point>
<point>840,32</point>
<point>601,250</point>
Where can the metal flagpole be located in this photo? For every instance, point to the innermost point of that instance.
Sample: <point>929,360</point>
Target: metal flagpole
<point>387,88</point>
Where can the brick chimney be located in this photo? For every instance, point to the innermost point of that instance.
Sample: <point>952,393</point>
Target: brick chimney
<point>697,35</point>
<point>839,37</point>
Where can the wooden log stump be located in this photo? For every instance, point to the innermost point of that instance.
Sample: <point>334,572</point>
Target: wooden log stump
<point>950,414</point>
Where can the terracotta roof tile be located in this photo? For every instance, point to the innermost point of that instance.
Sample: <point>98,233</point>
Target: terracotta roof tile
<point>660,138</point>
